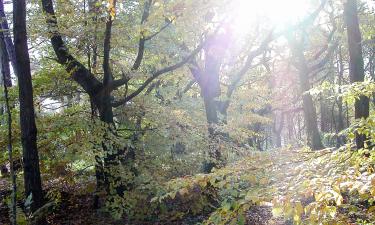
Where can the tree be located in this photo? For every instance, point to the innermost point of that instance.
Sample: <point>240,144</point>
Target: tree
<point>32,179</point>
<point>340,116</point>
<point>356,64</point>
<point>100,92</point>
<point>208,77</point>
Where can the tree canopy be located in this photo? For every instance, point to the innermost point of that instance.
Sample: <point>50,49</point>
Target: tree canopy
<point>187,112</point>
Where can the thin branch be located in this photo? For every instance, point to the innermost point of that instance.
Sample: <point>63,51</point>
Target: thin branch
<point>159,73</point>
<point>248,64</point>
<point>142,39</point>
<point>79,72</point>
<point>159,31</point>
<point>108,76</point>
<point>320,64</point>
<point>186,89</point>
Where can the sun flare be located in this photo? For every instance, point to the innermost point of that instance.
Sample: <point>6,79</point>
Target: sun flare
<point>276,12</point>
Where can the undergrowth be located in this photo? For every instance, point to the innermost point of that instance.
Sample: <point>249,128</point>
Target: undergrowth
<point>321,187</point>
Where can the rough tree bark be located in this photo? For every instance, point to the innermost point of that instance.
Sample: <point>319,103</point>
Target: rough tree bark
<point>32,180</point>
<point>356,64</point>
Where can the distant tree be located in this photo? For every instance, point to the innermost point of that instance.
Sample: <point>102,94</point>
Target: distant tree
<point>207,73</point>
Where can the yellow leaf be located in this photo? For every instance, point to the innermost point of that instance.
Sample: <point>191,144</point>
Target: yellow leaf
<point>172,195</point>
<point>299,208</point>
<point>252,179</point>
<point>252,197</point>
<point>297,218</point>
<point>183,191</point>
<point>371,209</point>
<point>263,181</point>
<point>202,183</point>
<point>331,210</point>
<point>112,8</point>
<point>276,212</point>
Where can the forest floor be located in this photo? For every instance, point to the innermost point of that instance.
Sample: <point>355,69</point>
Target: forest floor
<point>302,177</point>
<point>78,210</point>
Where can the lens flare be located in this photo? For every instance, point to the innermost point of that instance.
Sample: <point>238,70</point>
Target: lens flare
<point>279,13</point>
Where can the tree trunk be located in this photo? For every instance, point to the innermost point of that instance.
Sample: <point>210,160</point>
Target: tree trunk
<point>209,83</point>
<point>277,129</point>
<point>313,135</point>
<point>340,118</point>
<point>356,67</point>
<point>214,134</point>
<point>324,115</point>
<point>33,184</point>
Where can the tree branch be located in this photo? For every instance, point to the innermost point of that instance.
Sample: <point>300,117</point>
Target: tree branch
<point>78,71</point>
<point>159,73</point>
<point>321,63</point>
<point>159,31</point>
<point>142,39</point>
<point>248,64</point>
<point>108,76</point>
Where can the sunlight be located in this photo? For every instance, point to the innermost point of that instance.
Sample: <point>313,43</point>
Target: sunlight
<point>279,13</point>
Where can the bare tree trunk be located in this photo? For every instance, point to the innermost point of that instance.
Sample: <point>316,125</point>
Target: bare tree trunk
<point>356,67</point>
<point>33,184</point>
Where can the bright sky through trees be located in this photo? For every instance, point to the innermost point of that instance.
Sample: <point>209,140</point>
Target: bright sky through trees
<point>276,12</point>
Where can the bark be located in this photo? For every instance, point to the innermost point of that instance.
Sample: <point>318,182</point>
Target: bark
<point>32,180</point>
<point>356,64</point>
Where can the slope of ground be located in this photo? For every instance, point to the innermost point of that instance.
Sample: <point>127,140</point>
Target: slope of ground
<point>277,187</point>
